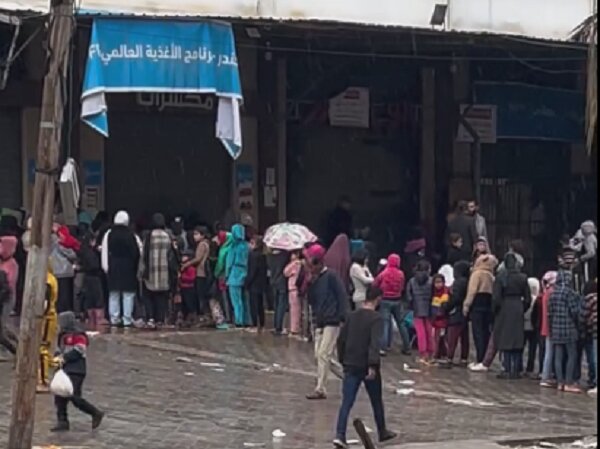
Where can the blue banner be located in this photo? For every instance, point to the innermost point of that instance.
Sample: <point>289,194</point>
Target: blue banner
<point>534,112</point>
<point>164,56</point>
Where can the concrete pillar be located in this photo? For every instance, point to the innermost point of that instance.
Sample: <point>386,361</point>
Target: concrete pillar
<point>282,138</point>
<point>427,160</point>
<point>461,184</point>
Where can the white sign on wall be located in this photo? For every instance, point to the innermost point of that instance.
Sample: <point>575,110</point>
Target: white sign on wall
<point>350,109</point>
<point>483,118</point>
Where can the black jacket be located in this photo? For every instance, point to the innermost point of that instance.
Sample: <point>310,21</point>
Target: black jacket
<point>457,255</point>
<point>256,280</point>
<point>511,299</point>
<point>328,299</point>
<point>277,263</point>
<point>123,260</point>
<point>464,225</point>
<point>359,341</point>
<point>458,293</point>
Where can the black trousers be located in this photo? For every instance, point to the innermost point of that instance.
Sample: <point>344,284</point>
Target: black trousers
<point>189,301</point>
<point>531,341</point>
<point>481,322</point>
<point>157,305</point>
<point>8,339</point>
<point>202,295</point>
<point>78,401</point>
<point>257,309</point>
<point>65,295</point>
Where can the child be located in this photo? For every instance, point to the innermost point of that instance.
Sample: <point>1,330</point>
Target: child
<point>392,281</point>
<point>291,272</point>
<point>419,295</point>
<point>93,295</point>
<point>457,251</point>
<point>439,304</point>
<point>72,347</point>
<point>458,326</point>
<point>189,300</point>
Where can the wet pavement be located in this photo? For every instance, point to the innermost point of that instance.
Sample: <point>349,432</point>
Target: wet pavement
<point>221,390</point>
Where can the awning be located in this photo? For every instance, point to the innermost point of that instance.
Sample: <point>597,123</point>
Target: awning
<point>164,56</point>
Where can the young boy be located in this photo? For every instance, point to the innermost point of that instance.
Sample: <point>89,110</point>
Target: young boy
<point>189,299</point>
<point>71,356</point>
<point>358,352</point>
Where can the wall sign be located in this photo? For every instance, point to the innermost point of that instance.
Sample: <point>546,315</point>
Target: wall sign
<point>350,109</point>
<point>483,119</point>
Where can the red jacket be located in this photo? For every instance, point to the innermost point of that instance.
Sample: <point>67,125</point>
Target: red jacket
<point>391,280</point>
<point>67,240</point>
<point>188,277</point>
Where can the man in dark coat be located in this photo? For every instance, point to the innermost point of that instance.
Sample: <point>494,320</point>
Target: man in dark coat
<point>511,299</point>
<point>463,224</point>
<point>120,261</point>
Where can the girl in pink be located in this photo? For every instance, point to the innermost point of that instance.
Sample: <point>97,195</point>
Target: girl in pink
<point>8,264</point>
<point>291,273</point>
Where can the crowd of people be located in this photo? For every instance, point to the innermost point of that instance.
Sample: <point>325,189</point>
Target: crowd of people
<point>170,276</point>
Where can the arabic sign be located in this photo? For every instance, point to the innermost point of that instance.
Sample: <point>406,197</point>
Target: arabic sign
<point>350,109</point>
<point>164,57</point>
<point>161,101</point>
<point>482,119</point>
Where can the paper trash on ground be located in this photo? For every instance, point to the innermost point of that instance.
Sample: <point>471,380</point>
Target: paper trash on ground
<point>189,374</point>
<point>406,382</point>
<point>211,365</point>
<point>278,433</point>
<point>408,369</point>
<point>183,360</point>
<point>405,391</point>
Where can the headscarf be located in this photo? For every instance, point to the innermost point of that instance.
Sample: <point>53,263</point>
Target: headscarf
<point>338,258</point>
<point>448,272</point>
<point>223,251</point>
<point>122,218</point>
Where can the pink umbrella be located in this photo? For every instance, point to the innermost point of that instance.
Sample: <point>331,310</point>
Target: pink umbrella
<point>288,236</point>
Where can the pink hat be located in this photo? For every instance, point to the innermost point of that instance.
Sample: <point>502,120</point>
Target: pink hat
<point>315,252</point>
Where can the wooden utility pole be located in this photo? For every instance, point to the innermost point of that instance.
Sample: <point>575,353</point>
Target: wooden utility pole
<point>61,24</point>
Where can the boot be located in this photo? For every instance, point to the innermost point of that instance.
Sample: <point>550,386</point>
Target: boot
<point>91,319</point>
<point>100,318</point>
<point>97,419</point>
<point>62,425</point>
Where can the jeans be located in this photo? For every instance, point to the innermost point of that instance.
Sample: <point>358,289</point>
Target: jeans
<point>281,306</point>
<point>548,368</point>
<point>114,307</point>
<point>481,322</point>
<point>512,362</point>
<point>590,349</point>
<point>325,342</point>
<point>568,350</point>
<point>350,387</point>
<point>77,400</point>
<point>395,310</point>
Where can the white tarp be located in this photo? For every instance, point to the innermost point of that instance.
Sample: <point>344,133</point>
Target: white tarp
<point>548,19</point>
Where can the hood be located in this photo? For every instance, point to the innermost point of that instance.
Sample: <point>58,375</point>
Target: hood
<point>486,262</point>
<point>534,287</point>
<point>122,218</point>
<point>422,277</point>
<point>462,269</point>
<point>588,227</point>
<point>67,321</point>
<point>238,232</point>
<point>564,278</point>
<point>448,273</point>
<point>394,261</point>
<point>8,247</point>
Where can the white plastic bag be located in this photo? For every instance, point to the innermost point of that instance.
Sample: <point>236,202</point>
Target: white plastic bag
<point>61,385</point>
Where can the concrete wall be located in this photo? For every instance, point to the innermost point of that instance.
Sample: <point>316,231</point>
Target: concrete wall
<point>551,19</point>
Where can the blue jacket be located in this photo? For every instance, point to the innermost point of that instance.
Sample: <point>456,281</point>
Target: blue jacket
<point>236,265</point>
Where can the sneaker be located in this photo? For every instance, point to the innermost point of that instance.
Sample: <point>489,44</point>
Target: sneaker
<point>479,368</point>
<point>387,436</point>
<point>61,426</point>
<point>573,389</point>
<point>316,396</point>
<point>547,384</point>
<point>407,352</point>
<point>593,392</point>
<point>222,327</point>
<point>383,353</point>
<point>97,420</point>
<point>339,443</point>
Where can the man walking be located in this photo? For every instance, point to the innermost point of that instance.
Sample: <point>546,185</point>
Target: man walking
<point>328,299</point>
<point>358,352</point>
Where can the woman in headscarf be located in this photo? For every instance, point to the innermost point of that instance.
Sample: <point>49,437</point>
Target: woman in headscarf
<point>338,259</point>
<point>512,298</point>
<point>120,254</point>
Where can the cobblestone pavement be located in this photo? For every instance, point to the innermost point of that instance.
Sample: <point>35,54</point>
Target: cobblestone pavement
<point>155,402</point>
